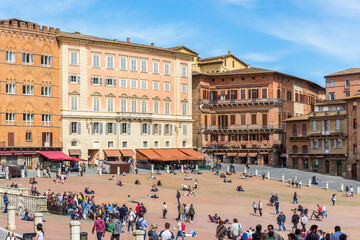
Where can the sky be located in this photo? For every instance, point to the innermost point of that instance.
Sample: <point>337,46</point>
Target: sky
<point>305,38</point>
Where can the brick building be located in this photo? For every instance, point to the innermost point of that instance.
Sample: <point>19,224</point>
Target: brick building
<point>343,84</point>
<point>238,114</point>
<point>29,90</point>
<point>317,141</point>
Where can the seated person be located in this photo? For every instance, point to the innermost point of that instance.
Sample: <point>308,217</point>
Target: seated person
<point>112,178</point>
<point>153,196</point>
<point>240,189</point>
<point>124,173</point>
<point>184,187</point>
<point>137,182</point>
<point>154,188</point>
<point>228,173</point>
<point>243,177</point>
<point>189,178</point>
<point>27,216</point>
<point>224,180</point>
<point>87,191</point>
<point>120,183</point>
<point>159,183</point>
<point>229,181</point>
<point>211,218</point>
<point>158,172</point>
<point>186,177</point>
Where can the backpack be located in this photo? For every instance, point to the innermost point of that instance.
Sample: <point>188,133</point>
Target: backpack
<point>138,224</point>
<point>142,209</point>
<point>183,226</point>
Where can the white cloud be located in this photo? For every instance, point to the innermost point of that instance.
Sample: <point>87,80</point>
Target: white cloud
<point>346,8</point>
<point>258,57</point>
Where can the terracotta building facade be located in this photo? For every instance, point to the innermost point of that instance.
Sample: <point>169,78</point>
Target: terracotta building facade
<point>123,96</point>
<point>238,114</point>
<point>342,84</point>
<point>30,91</point>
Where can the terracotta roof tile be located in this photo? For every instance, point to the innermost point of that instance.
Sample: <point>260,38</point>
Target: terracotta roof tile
<point>348,71</point>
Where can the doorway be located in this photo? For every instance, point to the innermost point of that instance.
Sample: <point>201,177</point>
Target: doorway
<point>295,163</point>
<point>339,168</point>
<point>327,167</point>
<point>354,171</point>
<point>28,162</point>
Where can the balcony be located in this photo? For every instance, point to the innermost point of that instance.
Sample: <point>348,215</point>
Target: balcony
<point>218,147</point>
<point>242,128</point>
<point>242,102</point>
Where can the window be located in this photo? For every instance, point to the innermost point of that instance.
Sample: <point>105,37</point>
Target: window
<point>96,81</point>
<point>354,123</point>
<point>156,107</point>
<point>73,143</point>
<point>145,128</point>
<point>167,108</point>
<point>253,93</point>
<point>144,106</point>
<point>46,119</point>
<point>253,119</point>
<point>167,68</point>
<point>74,102</point>
<point>10,88</point>
<point>145,144</point>
<point>96,60</point>
<point>167,87</point>
<point>264,93</point>
<point>73,58</point>
<point>133,83</point>
<point>110,81</point>
<point>144,84</point>
<point>74,79</point>
<point>167,144</point>
<point>123,63</point>
<point>168,129</point>
<point>46,90</point>
<point>123,83</point>
<point>183,88</point>
<point>134,105</point>
<point>46,61</point>
<point>337,124</point>
<point>111,128</point>
<point>28,118</point>
<point>110,104</point>
<point>10,118</point>
<point>183,71</point>
<point>331,96</point>
<point>338,143</point>
<point>243,119</point>
<point>355,148</point>
<point>347,94</point>
<point>97,128</point>
<point>28,58</point>
<point>156,144</point>
<point>143,64</point>
<point>96,104</point>
<point>242,94</point>
<point>124,144</point>
<point>123,105</point>
<point>155,85</point>
<point>110,62</point>
<point>28,136</point>
<point>184,144</point>
<point>314,144</point>
<point>314,125</point>
<point>133,64</point>
<point>331,83</point>
<point>10,57</point>
<point>28,89</point>
<point>347,83</point>
<point>125,128</point>
<point>184,127</point>
<point>75,128</point>
<point>184,109</point>
<point>156,128</point>
<point>110,144</point>
<point>156,67</point>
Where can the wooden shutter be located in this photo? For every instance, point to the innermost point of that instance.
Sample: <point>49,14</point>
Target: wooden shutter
<point>253,118</point>
<point>129,128</point>
<point>232,119</point>
<point>264,119</point>
<point>159,129</point>
<point>10,139</point>
<point>243,119</point>
<point>79,128</point>
<point>43,139</point>
<point>51,139</point>
<point>78,79</point>
<point>249,95</point>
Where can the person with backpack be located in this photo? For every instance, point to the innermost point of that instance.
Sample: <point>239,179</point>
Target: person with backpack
<point>178,195</point>
<point>236,230</point>
<point>166,234</point>
<point>141,224</point>
<point>181,228</point>
<point>221,231</point>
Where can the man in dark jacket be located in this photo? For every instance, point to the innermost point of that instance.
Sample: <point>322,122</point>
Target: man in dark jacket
<point>281,219</point>
<point>178,195</point>
<point>295,219</point>
<point>313,234</point>
<point>257,235</point>
<point>122,211</point>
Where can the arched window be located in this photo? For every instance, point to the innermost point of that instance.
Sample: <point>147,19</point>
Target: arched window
<point>294,130</point>
<point>304,149</point>
<point>295,149</point>
<point>304,130</point>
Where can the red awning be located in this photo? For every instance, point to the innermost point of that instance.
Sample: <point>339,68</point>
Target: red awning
<point>13,152</point>
<point>127,153</point>
<point>56,155</point>
<point>78,159</point>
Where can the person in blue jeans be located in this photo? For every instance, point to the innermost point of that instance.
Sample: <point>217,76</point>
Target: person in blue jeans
<point>295,198</point>
<point>277,207</point>
<point>281,219</point>
<point>180,232</point>
<point>6,202</point>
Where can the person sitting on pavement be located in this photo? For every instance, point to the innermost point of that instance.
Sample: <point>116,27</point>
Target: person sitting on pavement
<point>154,188</point>
<point>137,182</point>
<point>240,189</point>
<point>87,191</point>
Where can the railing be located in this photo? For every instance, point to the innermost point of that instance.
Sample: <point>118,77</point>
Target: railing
<point>243,101</point>
<point>243,127</point>
<point>18,191</point>
<point>225,146</point>
<point>33,203</point>
<point>58,208</point>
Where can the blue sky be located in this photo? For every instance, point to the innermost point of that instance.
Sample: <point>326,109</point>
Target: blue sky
<point>306,38</point>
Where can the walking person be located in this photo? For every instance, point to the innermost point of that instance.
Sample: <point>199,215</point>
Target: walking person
<point>295,219</point>
<point>196,183</point>
<point>141,224</point>
<point>351,191</point>
<point>221,231</point>
<point>236,230</point>
<point>303,221</point>
<point>180,228</point>
<point>192,213</point>
<point>164,209</point>
<point>6,201</point>
<point>117,228</point>
<point>277,204</point>
<point>333,199</point>
<point>300,183</point>
<point>295,198</point>
<point>182,212</point>
<point>281,219</point>
<point>99,225</point>
<point>40,232</point>
<point>255,208</point>
<point>178,195</point>
<point>260,207</point>
<point>166,234</point>
<point>131,220</point>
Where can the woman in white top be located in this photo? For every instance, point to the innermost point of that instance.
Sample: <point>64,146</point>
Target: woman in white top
<point>39,233</point>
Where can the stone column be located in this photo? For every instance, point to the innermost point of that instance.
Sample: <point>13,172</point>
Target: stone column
<point>118,170</point>
<point>38,172</point>
<point>138,235</point>
<point>79,170</point>
<point>167,169</point>
<point>245,170</point>
<point>38,218</point>
<point>182,168</point>
<point>342,188</point>
<point>152,168</point>
<point>228,168</point>
<point>256,172</point>
<point>22,173</point>
<point>326,185</point>
<point>358,190</point>
<point>100,171</point>
<point>309,182</point>
<point>11,218</point>
<point>197,167</point>
<point>7,175</point>
<point>59,170</point>
<point>268,175</point>
<point>282,178</point>
<point>74,230</point>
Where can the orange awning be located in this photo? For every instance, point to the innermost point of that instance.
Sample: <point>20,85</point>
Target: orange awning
<point>252,154</point>
<point>75,152</point>
<point>172,153</point>
<point>112,153</point>
<point>127,153</point>
<point>193,153</point>
<point>232,154</point>
<point>219,153</point>
<point>242,154</point>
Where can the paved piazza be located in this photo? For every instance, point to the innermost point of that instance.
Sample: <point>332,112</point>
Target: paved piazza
<point>214,196</point>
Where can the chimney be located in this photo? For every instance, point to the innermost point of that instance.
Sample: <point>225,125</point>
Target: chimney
<point>248,66</point>
<point>77,32</point>
<point>152,44</point>
<point>128,40</point>
<point>229,52</point>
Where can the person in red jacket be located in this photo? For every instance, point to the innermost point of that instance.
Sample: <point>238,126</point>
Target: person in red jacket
<point>99,225</point>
